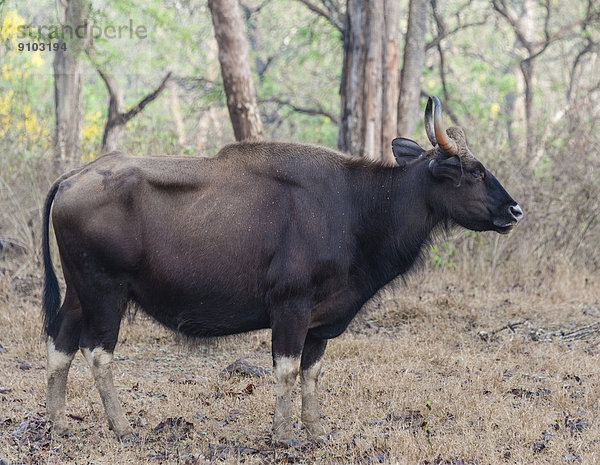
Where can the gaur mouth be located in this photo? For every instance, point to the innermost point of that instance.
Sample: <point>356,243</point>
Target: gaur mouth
<point>505,229</point>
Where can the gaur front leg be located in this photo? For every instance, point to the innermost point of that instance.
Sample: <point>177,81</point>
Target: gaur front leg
<point>310,365</point>
<point>289,325</point>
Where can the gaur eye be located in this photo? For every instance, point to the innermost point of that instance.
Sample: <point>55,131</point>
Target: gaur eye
<point>477,174</point>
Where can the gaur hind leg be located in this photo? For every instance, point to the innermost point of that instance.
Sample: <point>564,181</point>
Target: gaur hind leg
<point>61,345</point>
<point>289,325</point>
<point>310,366</point>
<point>102,310</point>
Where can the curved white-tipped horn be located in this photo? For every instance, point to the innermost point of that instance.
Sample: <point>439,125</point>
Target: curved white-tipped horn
<point>445,142</point>
<point>429,122</point>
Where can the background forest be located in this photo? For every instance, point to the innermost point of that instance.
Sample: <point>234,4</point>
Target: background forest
<point>522,78</point>
<point>508,324</point>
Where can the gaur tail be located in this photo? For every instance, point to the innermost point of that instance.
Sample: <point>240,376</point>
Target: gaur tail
<point>51,298</point>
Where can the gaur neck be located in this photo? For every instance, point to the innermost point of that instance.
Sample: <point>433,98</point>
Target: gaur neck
<point>394,221</point>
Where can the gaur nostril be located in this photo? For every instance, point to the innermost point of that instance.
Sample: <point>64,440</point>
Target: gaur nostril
<point>516,212</point>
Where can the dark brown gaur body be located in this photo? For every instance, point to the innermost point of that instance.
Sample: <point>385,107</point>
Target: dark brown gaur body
<point>285,236</point>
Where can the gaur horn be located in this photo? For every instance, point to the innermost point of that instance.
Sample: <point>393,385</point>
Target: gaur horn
<point>429,122</point>
<point>445,142</point>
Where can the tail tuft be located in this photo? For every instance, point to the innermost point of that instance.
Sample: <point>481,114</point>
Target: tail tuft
<point>51,297</point>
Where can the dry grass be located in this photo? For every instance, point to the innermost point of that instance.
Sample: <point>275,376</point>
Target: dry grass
<point>411,383</point>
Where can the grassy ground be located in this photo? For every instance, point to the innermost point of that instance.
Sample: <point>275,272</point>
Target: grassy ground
<point>411,383</point>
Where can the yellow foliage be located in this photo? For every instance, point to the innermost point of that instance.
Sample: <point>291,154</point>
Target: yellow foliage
<point>9,30</point>
<point>91,130</point>
<point>30,122</point>
<point>431,84</point>
<point>10,26</point>
<point>87,157</point>
<point>494,110</point>
<point>36,59</point>
<point>4,112</point>
<point>27,122</point>
<point>16,66</point>
<point>6,72</point>
<point>5,102</point>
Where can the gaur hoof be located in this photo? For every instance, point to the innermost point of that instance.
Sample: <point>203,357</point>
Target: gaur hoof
<point>285,443</point>
<point>316,433</point>
<point>61,429</point>
<point>319,440</point>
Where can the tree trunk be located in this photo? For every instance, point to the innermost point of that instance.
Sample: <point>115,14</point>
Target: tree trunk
<point>369,76</point>
<point>173,95</point>
<point>391,73</point>
<point>526,67</point>
<point>412,69</point>
<point>68,91</point>
<point>523,24</point>
<point>235,69</point>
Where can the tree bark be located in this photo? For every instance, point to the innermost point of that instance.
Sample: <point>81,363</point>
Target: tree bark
<point>412,69</point>
<point>391,75</point>
<point>173,95</point>
<point>369,76</point>
<point>68,90</point>
<point>235,69</point>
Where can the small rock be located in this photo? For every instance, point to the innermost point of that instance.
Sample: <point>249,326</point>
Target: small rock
<point>593,311</point>
<point>576,425</point>
<point>24,365</point>
<point>174,429</point>
<point>378,422</point>
<point>242,367</point>
<point>538,446</point>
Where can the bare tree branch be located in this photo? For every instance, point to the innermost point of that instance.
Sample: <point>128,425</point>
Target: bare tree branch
<point>443,33</point>
<point>329,14</point>
<point>117,117</point>
<point>441,27</point>
<point>533,49</point>
<point>589,47</point>
<point>549,37</point>
<point>147,99</point>
<point>309,111</point>
<point>513,21</point>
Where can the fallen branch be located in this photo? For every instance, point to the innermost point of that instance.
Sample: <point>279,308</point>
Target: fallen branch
<point>588,331</point>
<point>585,332</point>
<point>510,325</point>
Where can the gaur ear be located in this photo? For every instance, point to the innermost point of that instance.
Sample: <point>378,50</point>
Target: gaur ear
<point>446,168</point>
<point>405,150</point>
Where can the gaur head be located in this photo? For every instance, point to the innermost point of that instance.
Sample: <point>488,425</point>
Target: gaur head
<point>460,188</point>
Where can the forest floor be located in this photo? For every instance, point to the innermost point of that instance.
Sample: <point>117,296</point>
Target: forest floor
<point>413,381</point>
